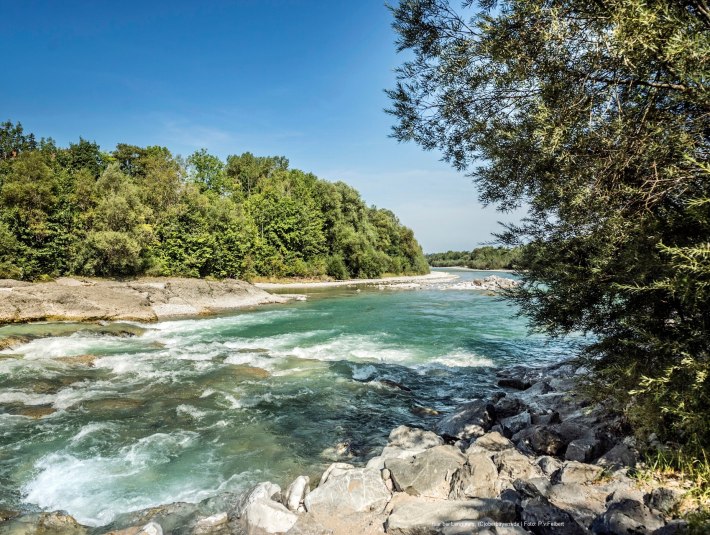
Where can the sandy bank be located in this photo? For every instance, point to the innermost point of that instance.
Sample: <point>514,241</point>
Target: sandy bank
<point>149,299</point>
<point>433,277</point>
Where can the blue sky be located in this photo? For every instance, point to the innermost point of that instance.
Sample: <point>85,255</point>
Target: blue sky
<point>303,79</point>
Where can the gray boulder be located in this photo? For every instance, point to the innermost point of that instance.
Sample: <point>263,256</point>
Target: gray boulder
<point>515,424</point>
<point>619,456</point>
<point>421,517</point>
<point>267,516</point>
<point>543,518</point>
<point>478,478</point>
<point>353,491</point>
<point>296,492</point>
<point>549,465</point>
<point>412,438</point>
<point>664,499</point>
<point>514,465</point>
<point>212,525</point>
<point>576,472</point>
<point>626,517</point>
<point>490,442</point>
<point>470,420</point>
<point>583,501</point>
<point>582,449</point>
<point>261,491</point>
<point>335,469</point>
<point>427,474</point>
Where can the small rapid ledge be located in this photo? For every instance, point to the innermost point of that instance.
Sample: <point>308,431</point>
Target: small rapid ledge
<point>69,299</point>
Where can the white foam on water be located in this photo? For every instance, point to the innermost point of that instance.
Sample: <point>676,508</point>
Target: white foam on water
<point>463,359</point>
<point>207,393</point>
<point>352,347</point>
<point>66,346</point>
<point>88,430</point>
<point>94,490</point>
<point>26,398</point>
<point>364,373</point>
<point>191,411</point>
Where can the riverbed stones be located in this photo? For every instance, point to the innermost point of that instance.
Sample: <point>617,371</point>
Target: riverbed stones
<point>353,491</point>
<point>472,419</point>
<point>428,473</point>
<point>426,517</point>
<point>296,492</point>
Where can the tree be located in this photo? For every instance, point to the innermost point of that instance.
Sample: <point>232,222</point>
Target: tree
<point>207,171</point>
<point>594,115</point>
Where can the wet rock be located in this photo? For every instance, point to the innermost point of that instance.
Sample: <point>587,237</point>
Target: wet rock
<point>582,449</point>
<point>515,424</point>
<point>267,516</point>
<point>334,469</point>
<point>54,523</point>
<point>244,372</point>
<point>215,524</point>
<point>626,517</point>
<point>78,360</point>
<point>427,474</point>
<point>412,438</point>
<point>296,492</point>
<point>664,499</point>
<point>117,329</point>
<point>550,418</point>
<point>356,490</point>
<point>34,411</point>
<point>394,384</point>
<point>11,341</point>
<point>576,472</point>
<point>470,420</point>
<point>514,465</point>
<point>543,518</point>
<point>421,517</point>
<point>478,478</point>
<point>492,441</point>
<point>515,383</point>
<point>424,411</point>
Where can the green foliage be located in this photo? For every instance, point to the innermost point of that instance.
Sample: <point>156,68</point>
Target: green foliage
<point>141,210</point>
<point>486,257</point>
<point>594,116</point>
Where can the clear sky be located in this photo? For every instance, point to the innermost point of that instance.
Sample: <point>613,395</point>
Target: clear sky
<point>299,78</point>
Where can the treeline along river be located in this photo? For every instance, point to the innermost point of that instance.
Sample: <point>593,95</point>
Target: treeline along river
<point>193,408</point>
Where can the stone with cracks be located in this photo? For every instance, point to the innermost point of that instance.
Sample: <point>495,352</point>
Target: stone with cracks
<point>354,491</point>
<point>476,479</point>
<point>412,438</point>
<point>334,469</point>
<point>547,519</point>
<point>626,516</point>
<point>514,465</point>
<point>491,442</point>
<point>576,472</point>
<point>296,492</point>
<point>267,516</point>
<point>427,474</point>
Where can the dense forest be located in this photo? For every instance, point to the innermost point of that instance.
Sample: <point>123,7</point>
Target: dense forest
<point>594,118</point>
<point>143,211</point>
<point>485,257</point>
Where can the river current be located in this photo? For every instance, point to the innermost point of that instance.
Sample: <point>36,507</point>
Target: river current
<point>193,408</point>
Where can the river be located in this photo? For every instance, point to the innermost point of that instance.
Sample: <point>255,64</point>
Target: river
<point>197,407</point>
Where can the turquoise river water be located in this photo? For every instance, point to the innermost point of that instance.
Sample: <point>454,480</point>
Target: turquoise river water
<point>197,407</point>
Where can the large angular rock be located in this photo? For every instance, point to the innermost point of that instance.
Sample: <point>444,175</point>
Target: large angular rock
<point>514,465</point>
<point>212,525</point>
<point>582,449</point>
<point>619,456</point>
<point>576,472</point>
<point>427,474</point>
<point>508,406</point>
<point>490,442</point>
<point>261,491</point>
<point>478,478</point>
<point>267,516</point>
<point>515,424</point>
<point>626,516</point>
<point>420,517</point>
<point>353,491</point>
<point>412,438</point>
<point>334,469</point>
<point>296,492</point>
<point>543,518</point>
<point>664,499</point>
<point>584,502</point>
<point>470,420</point>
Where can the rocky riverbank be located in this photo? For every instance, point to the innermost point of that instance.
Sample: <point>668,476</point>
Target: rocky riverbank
<point>536,457</point>
<point>80,299</point>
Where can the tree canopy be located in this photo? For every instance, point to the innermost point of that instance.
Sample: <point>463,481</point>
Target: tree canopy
<point>594,116</point>
<point>141,210</point>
